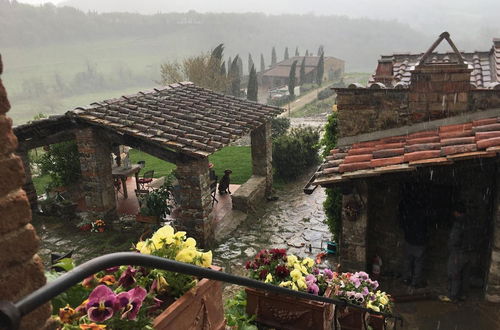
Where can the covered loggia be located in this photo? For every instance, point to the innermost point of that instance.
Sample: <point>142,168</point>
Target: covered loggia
<point>181,124</point>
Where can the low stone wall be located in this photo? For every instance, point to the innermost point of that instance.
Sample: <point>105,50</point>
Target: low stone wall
<point>250,194</point>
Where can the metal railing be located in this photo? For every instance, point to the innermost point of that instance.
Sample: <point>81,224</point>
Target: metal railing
<point>11,313</point>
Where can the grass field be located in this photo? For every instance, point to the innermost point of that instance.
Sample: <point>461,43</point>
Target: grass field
<point>238,159</point>
<point>315,108</point>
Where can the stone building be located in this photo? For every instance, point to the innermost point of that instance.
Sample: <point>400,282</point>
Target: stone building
<point>182,124</point>
<point>22,269</point>
<point>277,75</point>
<point>441,137</point>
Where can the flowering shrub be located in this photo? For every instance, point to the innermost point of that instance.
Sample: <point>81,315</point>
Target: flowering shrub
<point>357,288</point>
<point>114,297</point>
<point>275,266</point>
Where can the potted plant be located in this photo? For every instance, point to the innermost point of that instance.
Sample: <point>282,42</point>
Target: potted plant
<point>358,289</point>
<point>277,267</point>
<point>154,205</point>
<point>130,297</point>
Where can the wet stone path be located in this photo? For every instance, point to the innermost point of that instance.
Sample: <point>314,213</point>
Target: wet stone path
<point>295,221</point>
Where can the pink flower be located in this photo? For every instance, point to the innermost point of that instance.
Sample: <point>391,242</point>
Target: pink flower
<point>130,302</point>
<point>101,304</point>
<point>312,288</point>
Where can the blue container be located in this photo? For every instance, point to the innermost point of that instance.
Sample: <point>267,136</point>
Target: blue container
<point>331,248</point>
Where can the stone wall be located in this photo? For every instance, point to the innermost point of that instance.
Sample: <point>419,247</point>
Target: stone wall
<point>22,269</point>
<point>493,281</point>
<point>436,91</point>
<point>262,154</point>
<point>353,240</point>
<point>369,110</point>
<point>195,201</point>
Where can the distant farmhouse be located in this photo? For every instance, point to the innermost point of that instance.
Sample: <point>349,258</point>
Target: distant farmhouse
<point>395,70</point>
<point>277,75</point>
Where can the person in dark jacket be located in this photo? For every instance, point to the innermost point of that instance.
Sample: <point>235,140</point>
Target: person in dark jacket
<point>414,222</point>
<point>461,248</point>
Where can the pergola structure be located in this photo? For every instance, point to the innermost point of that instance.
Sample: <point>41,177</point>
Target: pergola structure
<point>179,123</point>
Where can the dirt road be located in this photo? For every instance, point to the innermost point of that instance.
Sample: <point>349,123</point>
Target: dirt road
<point>302,101</point>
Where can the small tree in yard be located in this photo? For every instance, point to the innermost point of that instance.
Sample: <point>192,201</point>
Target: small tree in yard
<point>297,51</point>
<point>286,53</point>
<point>302,71</point>
<point>273,57</point>
<point>292,79</point>
<point>252,88</point>
<point>320,70</point>
<point>62,163</point>
<point>262,64</point>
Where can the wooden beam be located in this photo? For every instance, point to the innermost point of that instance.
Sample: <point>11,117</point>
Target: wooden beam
<point>37,142</point>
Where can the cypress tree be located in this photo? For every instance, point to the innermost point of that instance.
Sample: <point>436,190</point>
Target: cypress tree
<point>291,79</point>
<point>250,63</point>
<point>240,66</point>
<point>321,50</point>
<point>252,85</point>
<point>229,63</point>
<point>223,69</point>
<point>262,65</point>
<point>320,70</point>
<point>303,71</point>
<point>307,52</point>
<point>286,54</point>
<point>234,76</point>
<point>273,57</point>
<point>297,51</point>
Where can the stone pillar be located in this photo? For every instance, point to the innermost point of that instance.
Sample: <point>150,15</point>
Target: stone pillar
<point>353,242</point>
<point>97,178</point>
<point>195,201</point>
<point>22,269</point>
<point>493,283</point>
<point>28,186</point>
<point>262,154</point>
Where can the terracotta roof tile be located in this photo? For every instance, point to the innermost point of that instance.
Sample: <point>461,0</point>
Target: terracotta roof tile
<point>181,116</point>
<point>442,146</point>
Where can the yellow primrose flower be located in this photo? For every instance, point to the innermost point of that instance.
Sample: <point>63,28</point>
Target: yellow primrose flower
<point>294,287</point>
<point>162,284</point>
<point>291,260</point>
<point>308,262</point>
<point>301,268</point>
<point>189,243</point>
<point>186,255</point>
<point>162,236</point>
<point>269,278</point>
<point>383,300</point>
<point>372,307</point>
<point>206,259</point>
<point>295,274</point>
<point>143,247</point>
<point>301,283</point>
<point>285,284</point>
<point>180,235</point>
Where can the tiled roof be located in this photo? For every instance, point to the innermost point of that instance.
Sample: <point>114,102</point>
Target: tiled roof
<point>310,61</point>
<point>182,117</point>
<point>444,145</point>
<point>483,73</point>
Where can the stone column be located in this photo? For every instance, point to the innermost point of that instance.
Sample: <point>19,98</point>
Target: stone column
<point>493,283</point>
<point>353,242</point>
<point>195,201</point>
<point>97,179</point>
<point>28,186</point>
<point>22,269</point>
<point>262,154</point>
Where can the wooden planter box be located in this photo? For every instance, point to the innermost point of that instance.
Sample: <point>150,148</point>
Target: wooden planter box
<point>353,319</point>
<point>286,312</point>
<point>146,218</point>
<point>199,308</point>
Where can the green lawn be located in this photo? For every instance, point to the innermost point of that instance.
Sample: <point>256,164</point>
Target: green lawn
<point>315,108</point>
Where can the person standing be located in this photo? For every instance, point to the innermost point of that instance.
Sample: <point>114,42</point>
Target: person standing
<point>461,253</point>
<point>413,221</point>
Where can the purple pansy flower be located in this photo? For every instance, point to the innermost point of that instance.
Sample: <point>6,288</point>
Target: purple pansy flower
<point>127,278</point>
<point>312,288</point>
<point>328,273</point>
<point>310,279</point>
<point>365,291</point>
<point>112,269</point>
<point>101,303</point>
<point>131,302</point>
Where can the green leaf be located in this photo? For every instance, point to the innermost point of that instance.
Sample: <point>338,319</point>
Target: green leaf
<point>66,263</point>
